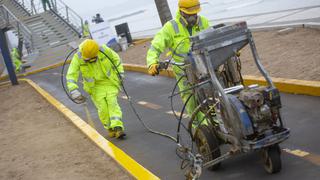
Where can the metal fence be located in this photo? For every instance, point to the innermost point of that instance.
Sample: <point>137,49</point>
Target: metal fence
<point>9,20</point>
<point>58,6</point>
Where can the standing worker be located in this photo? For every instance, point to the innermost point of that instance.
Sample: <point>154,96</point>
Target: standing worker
<point>174,36</point>
<point>45,3</point>
<point>100,80</point>
<point>86,30</point>
<point>16,59</point>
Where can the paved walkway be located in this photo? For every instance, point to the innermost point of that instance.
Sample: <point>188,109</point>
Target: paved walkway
<point>157,154</point>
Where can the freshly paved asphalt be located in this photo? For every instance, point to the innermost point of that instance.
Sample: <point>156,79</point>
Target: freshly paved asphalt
<point>300,113</point>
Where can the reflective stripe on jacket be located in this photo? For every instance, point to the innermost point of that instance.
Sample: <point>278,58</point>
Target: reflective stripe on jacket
<point>174,35</point>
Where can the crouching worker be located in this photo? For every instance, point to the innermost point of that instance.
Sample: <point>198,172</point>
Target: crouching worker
<point>100,80</point>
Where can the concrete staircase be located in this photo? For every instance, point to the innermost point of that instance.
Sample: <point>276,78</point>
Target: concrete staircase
<point>47,29</point>
<point>50,30</point>
<point>49,33</point>
<point>15,8</point>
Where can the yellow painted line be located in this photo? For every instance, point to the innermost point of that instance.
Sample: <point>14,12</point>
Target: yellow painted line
<point>177,113</point>
<point>124,97</point>
<point>140,41</point>
<point>6,83</point>
<point>294,86</point>
<point>313,158</point>
<point>128,163</point>
<point>149,105</point>
<point>297,152</point>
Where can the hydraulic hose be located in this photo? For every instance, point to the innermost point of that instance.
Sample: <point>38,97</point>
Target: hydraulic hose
<point>180,118</point>
<point>171,98</point>
<point>125,91</point>
<point>129,98</point>
<point>62,72</point>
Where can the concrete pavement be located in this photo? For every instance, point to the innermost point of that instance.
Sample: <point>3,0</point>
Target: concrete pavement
<point>157,154</point>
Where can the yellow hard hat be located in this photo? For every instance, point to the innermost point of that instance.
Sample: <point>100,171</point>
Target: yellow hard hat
<point>189,6</point>
<point>89,49</point>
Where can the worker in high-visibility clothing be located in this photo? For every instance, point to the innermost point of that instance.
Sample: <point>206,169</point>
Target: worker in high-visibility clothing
<point>174,36</point>
<point>100,80</point>
<point>16,59</point>
<point>86,30</point>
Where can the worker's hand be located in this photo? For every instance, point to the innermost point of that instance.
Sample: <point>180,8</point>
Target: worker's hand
<point>153,69</point>
<point>77,96</point>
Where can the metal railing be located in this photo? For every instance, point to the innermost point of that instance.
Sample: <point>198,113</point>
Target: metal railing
<point>59,8</point>
<point>10,20</point>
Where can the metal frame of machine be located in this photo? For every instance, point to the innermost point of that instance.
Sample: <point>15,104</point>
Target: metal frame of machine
<point>245,118</point>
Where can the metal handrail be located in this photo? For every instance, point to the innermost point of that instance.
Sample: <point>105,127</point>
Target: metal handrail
<point>59,8</point>
<point>12,20</point>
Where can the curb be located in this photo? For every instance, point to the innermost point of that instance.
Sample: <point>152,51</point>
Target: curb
<point>37,70</point>
<point>293,86</point>
<point>123,159</point>
<point>140,41</point>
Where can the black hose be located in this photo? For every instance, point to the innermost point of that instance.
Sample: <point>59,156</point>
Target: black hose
<point>171,97</point>
<point>124,89</point>
<point>62,72</point>
<point>180,118</point>
<point>129,99</point>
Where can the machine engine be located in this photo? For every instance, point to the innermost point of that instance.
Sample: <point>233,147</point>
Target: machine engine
<point>257,108</point>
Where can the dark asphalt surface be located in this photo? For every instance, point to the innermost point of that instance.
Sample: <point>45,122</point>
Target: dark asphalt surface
<point>300,113</point>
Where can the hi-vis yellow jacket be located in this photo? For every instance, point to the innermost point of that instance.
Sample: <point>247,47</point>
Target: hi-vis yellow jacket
<point>100,72</point>
<point>175,36</point>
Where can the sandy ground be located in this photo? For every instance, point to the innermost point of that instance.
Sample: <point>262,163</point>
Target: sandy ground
<point>37,142</point>
<point>294,55</point>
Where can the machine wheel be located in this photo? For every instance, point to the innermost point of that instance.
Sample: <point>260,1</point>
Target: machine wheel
<point>272,159</point>
<point>208,145</point>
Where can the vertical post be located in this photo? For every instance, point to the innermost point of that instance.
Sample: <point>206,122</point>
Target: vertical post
<point>33,8</point>
<point>55,5</point>
<point>7,59</point>
<point>67,13</point>
<point>163,11</point>
<point>7,18</point>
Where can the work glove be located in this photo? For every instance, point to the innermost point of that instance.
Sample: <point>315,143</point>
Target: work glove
<point>153,69</point>
<point>77,96</point>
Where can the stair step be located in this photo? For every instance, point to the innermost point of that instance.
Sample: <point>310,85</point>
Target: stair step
<point>48,29</point>
<point>33,19</point>
<point>51,38</point>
